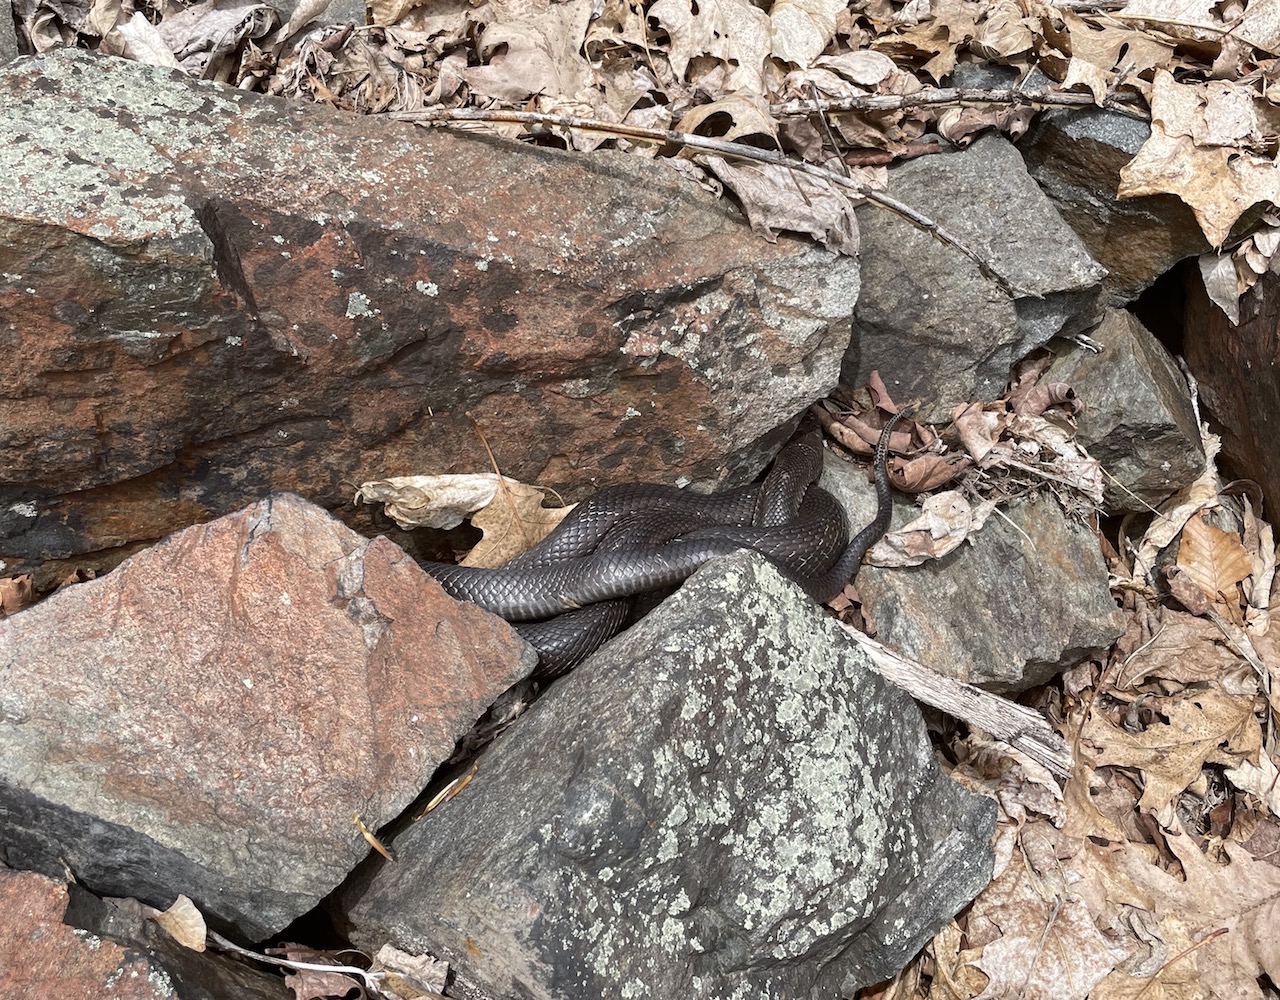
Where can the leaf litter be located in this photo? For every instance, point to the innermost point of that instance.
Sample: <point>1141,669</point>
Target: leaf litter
<point>1155,871</point>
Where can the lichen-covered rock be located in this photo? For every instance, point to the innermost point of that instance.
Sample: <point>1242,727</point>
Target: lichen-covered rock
<point>725,802</point>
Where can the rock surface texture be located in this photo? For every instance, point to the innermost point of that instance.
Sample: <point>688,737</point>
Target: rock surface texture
<point>1026,596</point>
<point>745,810</point>
<point>1137,420</point>
<point>928,320</point>
<point>208,295</point>
<point>207,718</point>
<point>40,956</point>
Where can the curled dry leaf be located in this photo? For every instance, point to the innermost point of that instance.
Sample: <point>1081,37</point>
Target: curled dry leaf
<point>184,923</point>
<point>433,501</point>
<point>979,426</point>
<point>802,29</point>
<point>1207,726</point>
<point>945,520</point>
<point>922,473</point>
<point>16,592</point>
<point>775,197</point>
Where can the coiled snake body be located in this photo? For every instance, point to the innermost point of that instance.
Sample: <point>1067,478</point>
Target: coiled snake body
<point>574,589</point>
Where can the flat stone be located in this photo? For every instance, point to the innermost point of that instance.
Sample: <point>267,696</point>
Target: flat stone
<point>927,319</point>
<point>208,295</point>
<point>724,802</point>
<point>208,718</point>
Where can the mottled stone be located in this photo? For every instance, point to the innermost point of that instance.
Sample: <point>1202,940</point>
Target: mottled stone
<point>725,802</point>
<point>207,295</point>
<point>1137,418</point>
<point>208,718</point>
<point>1027,597</point>
<point>928,319</point>
<point>40,956</point>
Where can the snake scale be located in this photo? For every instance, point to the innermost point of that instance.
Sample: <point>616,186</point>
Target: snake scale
<point>574,589</point>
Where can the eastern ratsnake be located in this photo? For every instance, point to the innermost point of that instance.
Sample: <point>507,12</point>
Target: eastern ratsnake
<point>574,589</point>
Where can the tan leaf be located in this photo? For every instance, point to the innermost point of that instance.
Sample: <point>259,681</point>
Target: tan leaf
<point>1206,726</point>
<point>1218,274</point>
<point>802,29</point>
<point>16,592</point>
<point>184,923</point>
<point>421,972</point>
<point>945,521</point>
<point>1241,895</point>
<point>1040,947</point>
<point>433,501</point>
<point>733,32</point>
<point>1213,559</point>
<point>1003,33</point>
<point>775,198</point>
<point>514,521</point>
<point>730,118</point>
<point>1219,183</point>
<point>538,54</point>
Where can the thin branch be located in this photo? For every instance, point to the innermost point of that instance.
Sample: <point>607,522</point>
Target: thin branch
<point>966,96</point>
<point>721,147</point>
<point>1014,724</point>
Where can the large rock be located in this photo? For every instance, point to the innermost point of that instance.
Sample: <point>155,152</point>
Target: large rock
<point>208,295</point>
<point>1076,156</point>
<point>725,801</point>
<point>935,327</point>
<point>208,718</point>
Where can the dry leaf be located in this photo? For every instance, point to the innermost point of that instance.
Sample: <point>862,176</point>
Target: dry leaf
<point>946,520</point>
<point>538,54</point>
<point>1213,559</point>
<point>775,197</point>
<point>1218,182</point>
<point>16,592</point>
<point>1242,895</point>
<point>420,972</point>
<point>735,33</point>
<point>802,29</point>
<point>1206,726</point>
<point>184,923</point>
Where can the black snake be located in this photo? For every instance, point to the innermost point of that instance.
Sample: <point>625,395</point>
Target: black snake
<point>574,589</point>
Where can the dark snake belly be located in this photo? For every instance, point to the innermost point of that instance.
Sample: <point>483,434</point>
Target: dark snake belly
<point>573,590</point>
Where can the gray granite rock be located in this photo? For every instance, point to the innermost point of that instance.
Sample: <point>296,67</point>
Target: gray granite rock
<point>1076,157</point>
<point>725,802</point>
<point>1137,421</point>
<point>1025,598</point>
<point>927,319</point>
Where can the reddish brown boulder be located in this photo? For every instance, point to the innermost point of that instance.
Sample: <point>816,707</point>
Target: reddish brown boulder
<point>208,295</point>
<point>209,718</point>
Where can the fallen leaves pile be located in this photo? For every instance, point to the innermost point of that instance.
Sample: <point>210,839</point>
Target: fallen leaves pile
<point>834,90</point>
